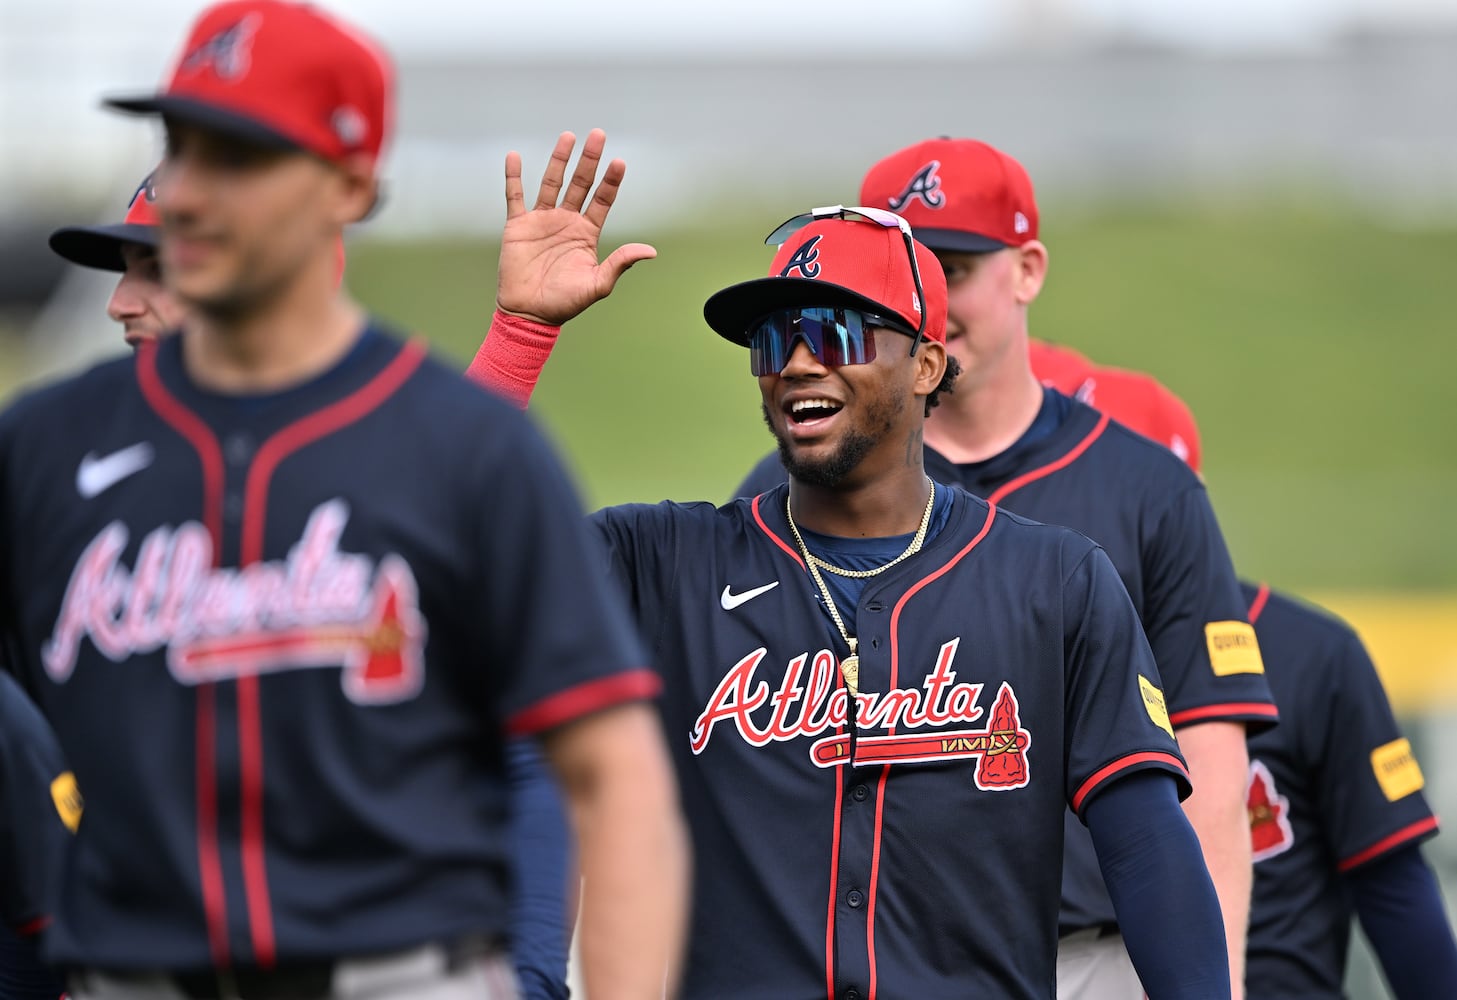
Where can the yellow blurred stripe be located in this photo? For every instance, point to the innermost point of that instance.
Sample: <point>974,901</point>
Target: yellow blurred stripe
<point>1412,638</point>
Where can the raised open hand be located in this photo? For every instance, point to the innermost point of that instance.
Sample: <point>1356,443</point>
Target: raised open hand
<point>549,270</point>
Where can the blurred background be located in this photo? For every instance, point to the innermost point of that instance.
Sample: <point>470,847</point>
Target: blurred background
<point>1255,201</point>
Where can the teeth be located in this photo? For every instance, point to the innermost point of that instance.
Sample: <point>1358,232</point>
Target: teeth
<point>819,404</point>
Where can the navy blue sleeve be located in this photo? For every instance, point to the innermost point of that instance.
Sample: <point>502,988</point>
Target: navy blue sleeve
<point>1115,719</point>
<point>1369,784</point>
<point>1400,908</point>
<point>554,622</point>
<point>543,873</point>
<point>763,477</point>
<point>1161,890</point>
<point>645,553</point>
<point>1197,620</point>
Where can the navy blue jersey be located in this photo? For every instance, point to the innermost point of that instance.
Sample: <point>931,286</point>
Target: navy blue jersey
<point>1003,677</point>
<point>1334,787</point>
<point>1151,514</point>
<point>282,640</point>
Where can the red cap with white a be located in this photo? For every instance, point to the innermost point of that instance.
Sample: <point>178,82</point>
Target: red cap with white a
<point>838,263</point>
<point>959,195</point>
<point>279,74</point>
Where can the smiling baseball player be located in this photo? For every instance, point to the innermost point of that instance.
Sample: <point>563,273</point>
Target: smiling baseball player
<point>1041,454</point>
<point>882,693</point>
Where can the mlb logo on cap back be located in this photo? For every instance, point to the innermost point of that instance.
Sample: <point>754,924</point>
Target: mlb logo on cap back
<point>279,74</point>
<point>959,195</point>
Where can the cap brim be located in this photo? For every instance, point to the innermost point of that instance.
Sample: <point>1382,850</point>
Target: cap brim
<point>731,311</point>
<point>100,246</point>
<point>204,115</point>
<point>957,241</point>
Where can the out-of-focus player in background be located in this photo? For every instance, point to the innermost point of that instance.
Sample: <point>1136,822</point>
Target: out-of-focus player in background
<point>542,872</point>
<point>296,617</point>
<point>40,807</point>
<point>1043,455</point>
<point>1336,810</point>
<point>875,826</point>
<point>140,302</point>
<point>1140,401</point>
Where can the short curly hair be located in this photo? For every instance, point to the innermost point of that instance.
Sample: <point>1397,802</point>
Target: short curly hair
<point>947,383</point>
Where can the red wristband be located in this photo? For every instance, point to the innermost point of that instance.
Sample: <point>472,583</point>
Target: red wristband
<point>511,357</point>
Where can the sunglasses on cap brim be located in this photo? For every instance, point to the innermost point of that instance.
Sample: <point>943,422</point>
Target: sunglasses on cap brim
<point>835,336</point>
<point>874,216</point>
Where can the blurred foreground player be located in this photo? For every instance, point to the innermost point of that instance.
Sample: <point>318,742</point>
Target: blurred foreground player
<point>1336,811</point>
<point>302,616</point>
<point>542,874</point>
<point>873,799</point>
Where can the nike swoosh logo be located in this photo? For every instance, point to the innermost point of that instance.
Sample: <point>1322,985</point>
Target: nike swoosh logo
<point>730,600</point>
<point>95,476</point>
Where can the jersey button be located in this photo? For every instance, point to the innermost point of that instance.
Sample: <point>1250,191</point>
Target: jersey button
<point>852,994</point>
<point>238,449</point>
<point>859,792</point>
<point>874,606</point>
<point>854,898</point>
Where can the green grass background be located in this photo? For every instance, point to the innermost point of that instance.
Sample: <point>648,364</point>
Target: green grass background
<point>1314,347</point>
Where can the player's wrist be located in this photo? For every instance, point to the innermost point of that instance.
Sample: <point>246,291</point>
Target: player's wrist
<point>512,356</point>
<point>521,324</point>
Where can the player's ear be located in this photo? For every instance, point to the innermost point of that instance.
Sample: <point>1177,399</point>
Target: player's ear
<point>358,188</point>
<point>930,362</point>
<point>1031,270</point>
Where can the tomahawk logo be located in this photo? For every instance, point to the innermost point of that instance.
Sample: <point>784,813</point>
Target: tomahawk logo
<point>925,186</point>
<point>146,190</point>
<point>1270,831</point>
<point>229,52</point>
<point>812,703</point>
<point>804,260</point>
<point>319,608</point>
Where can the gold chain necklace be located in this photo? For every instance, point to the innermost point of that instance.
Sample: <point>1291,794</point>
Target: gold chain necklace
<point>850,665</point>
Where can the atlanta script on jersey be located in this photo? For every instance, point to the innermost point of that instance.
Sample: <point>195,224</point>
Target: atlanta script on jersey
<point>894,843</point>
<point>1152,516</point>
<point>273,633</point>
<point>1333,787</point>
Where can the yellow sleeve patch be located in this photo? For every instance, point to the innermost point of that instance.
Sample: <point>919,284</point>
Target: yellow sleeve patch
<point>1396,770</point>
<point>67,798</point>
<point>1233,648</point>
<point>1153,704</point>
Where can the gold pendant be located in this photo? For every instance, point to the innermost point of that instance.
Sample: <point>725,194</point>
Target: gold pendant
<point>850,670</point>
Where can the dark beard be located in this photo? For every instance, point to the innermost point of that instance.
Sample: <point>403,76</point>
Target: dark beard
<point>831,472</point>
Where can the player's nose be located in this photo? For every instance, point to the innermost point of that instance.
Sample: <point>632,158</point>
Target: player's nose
<point>127,301</point>
<point>178,183</point>
<point>802,362</point>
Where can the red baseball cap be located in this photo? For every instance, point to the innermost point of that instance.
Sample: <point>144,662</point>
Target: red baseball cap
<point>837,263</point>
<point>100,246</point>
<point>278,74</point>
<point>1135,399</point>
<point>1058,365</point>
<point>959,195</point>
